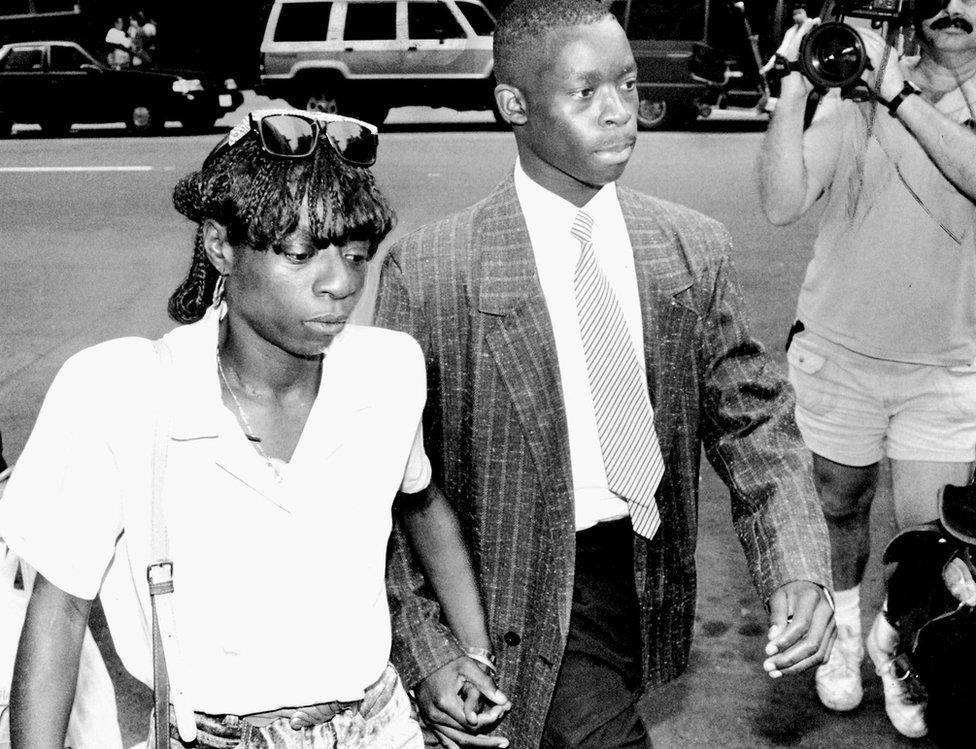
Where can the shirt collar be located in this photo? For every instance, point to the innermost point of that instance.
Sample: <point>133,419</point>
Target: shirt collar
<point>538,203</point>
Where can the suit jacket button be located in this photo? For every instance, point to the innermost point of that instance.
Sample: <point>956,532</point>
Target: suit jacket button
<point>512,639</point>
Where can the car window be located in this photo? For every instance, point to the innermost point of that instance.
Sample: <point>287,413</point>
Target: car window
<point>478,17</point>
<point>67,58</point>
<point>432,20</point>
<point>303,22</point>
<point>667,20</point>
<point>23,58</point>
<point>366,21</point>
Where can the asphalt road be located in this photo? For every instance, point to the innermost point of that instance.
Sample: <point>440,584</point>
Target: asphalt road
<point>90,249</point>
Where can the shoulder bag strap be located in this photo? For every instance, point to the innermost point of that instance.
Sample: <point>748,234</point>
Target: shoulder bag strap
<point>167,663</point>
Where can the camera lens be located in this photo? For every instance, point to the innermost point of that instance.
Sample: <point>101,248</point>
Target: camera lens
<point>832,55</point>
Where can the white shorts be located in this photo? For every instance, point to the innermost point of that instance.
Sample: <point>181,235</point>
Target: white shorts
<point>855,410</point>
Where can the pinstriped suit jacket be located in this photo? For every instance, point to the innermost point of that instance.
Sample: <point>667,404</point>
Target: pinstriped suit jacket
<point>466,288</point>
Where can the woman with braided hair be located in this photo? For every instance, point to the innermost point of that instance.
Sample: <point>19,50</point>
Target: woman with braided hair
<point>291,436</point>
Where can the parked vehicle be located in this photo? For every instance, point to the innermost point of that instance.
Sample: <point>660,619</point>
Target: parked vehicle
<point>57,84</point>
<point>680,75</point>
<point>362,57</point>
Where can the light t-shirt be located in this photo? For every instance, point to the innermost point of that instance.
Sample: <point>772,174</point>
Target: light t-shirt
<point>895,278</point>
<point>280,596</point>
<point>549,219</point>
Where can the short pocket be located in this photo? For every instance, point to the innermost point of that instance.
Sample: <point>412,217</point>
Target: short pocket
<point>806,376</point>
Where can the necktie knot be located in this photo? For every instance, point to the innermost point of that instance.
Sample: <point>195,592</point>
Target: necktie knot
<point>582,227</point>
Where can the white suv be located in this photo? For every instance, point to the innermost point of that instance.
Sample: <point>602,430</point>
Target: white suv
<point>361,57</point>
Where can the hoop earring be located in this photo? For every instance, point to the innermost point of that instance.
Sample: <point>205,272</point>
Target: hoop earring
<point>219,291</point>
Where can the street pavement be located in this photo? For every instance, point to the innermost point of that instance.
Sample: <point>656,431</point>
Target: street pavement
<point>90,248</point>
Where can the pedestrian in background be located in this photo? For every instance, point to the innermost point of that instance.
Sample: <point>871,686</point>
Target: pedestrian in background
<point>118,45</point>
<point>137,43</point>
<point>584,342</point>
<point>287,440</point>
<point>883,353</point>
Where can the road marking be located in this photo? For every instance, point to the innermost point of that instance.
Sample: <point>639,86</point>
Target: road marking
<point>141,168</point>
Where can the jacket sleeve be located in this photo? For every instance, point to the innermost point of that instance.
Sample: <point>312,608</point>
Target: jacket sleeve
<point>422,643</point>
<point>751,439</point>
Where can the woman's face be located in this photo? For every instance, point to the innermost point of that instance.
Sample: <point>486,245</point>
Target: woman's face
<point>298,299</point>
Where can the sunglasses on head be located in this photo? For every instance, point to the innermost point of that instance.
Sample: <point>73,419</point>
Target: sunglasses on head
<point>294,134</point>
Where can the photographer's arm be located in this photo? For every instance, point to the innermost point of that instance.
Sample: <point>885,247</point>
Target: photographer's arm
<point>787,184</point>
<point>951,146</point>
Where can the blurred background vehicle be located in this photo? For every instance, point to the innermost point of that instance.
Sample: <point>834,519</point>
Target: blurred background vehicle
<point>57,84</point>
<point>362,57</point>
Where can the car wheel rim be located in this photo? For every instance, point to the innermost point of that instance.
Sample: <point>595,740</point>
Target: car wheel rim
<point>141,117</point>
<point>322,103</point>
<point>651,112</point>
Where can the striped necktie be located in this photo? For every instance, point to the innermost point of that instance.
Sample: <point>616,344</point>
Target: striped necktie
<point>624,418</point>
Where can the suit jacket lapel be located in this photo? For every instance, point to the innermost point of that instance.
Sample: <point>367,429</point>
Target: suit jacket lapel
<point>520,338</point>
<point>660,278</point>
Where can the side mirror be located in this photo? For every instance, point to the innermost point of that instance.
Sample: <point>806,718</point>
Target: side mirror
<point>90,68</point>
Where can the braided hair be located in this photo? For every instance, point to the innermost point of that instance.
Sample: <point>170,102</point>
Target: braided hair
<point>259,198</point>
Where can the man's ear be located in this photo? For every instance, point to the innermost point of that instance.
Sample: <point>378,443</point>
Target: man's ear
<point>219,251</point>
<point>511,104</point>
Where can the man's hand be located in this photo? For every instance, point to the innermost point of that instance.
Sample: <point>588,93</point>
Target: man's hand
<point>892,78</point>
<point>802,628</point>
<point>459,703</point>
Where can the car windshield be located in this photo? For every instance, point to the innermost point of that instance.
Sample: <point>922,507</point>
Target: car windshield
<point>478,17</point>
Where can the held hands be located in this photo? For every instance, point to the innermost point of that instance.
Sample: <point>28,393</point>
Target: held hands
<point>802,628</point>
<point>459,704</point>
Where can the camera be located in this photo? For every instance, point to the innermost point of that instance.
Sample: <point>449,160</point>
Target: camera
<point>832,54</point>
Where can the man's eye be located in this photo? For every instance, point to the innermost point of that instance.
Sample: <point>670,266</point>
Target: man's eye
<point>356,258</point>
<point>630,84</point>
<point>583,93</point>
<point>299,257</point>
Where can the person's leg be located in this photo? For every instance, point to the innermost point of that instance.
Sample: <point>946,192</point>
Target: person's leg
<point>841,415</point>
<point>917,485</point>
<point>596,689</point>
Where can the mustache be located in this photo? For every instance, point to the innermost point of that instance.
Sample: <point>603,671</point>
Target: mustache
<point>946,22</point>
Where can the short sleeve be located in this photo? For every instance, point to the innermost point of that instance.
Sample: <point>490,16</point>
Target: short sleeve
<point>62,510</point>
<point>416,476</point>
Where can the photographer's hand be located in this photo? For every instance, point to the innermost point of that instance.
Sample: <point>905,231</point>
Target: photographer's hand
<point>892,78</point>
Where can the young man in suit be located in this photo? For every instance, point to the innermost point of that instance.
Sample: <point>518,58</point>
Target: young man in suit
<point>583,342</point>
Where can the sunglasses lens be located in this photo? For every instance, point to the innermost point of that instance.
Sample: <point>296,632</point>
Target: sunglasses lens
<point>353,142</point>
<point>287,135</point>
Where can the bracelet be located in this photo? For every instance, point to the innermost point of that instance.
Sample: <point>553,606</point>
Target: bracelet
<point>483,656</point>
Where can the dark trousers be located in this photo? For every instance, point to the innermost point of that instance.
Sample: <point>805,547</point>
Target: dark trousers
<point>600,675</point>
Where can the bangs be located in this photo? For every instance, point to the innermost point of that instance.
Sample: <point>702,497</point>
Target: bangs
<point>264,205</point>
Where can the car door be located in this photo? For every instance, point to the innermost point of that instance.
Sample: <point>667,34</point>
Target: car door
<point>77,86</point>
<point>369,38</point>
<point>439,45</point>
<point>23,83</point>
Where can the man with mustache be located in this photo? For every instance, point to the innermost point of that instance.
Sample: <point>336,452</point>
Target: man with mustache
<point>584,342</point>
<point>883,353</point>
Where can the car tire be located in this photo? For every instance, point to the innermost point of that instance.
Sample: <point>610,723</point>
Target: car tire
<point>323,99</point>
<point>652,113</point>
<point>143,120</point>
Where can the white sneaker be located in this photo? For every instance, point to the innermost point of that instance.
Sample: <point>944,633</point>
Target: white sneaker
<point>838,679</point>
<point>906,716</point>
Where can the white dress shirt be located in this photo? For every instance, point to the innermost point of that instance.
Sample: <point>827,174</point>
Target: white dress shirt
<point>549,219</point>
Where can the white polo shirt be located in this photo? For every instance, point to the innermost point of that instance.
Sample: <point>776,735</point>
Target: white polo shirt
<point>280,592</point>
<point>549,219</point>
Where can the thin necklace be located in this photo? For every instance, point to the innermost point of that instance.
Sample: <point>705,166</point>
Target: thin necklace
<point>248,432</point>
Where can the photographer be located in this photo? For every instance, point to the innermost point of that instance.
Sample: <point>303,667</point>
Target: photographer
<point>882,354</point>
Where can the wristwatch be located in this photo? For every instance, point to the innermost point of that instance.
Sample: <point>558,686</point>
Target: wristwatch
<point>907,89</point>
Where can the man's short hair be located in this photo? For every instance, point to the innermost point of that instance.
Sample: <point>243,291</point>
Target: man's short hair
<point>524,23</point>
<point>799,6</point>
